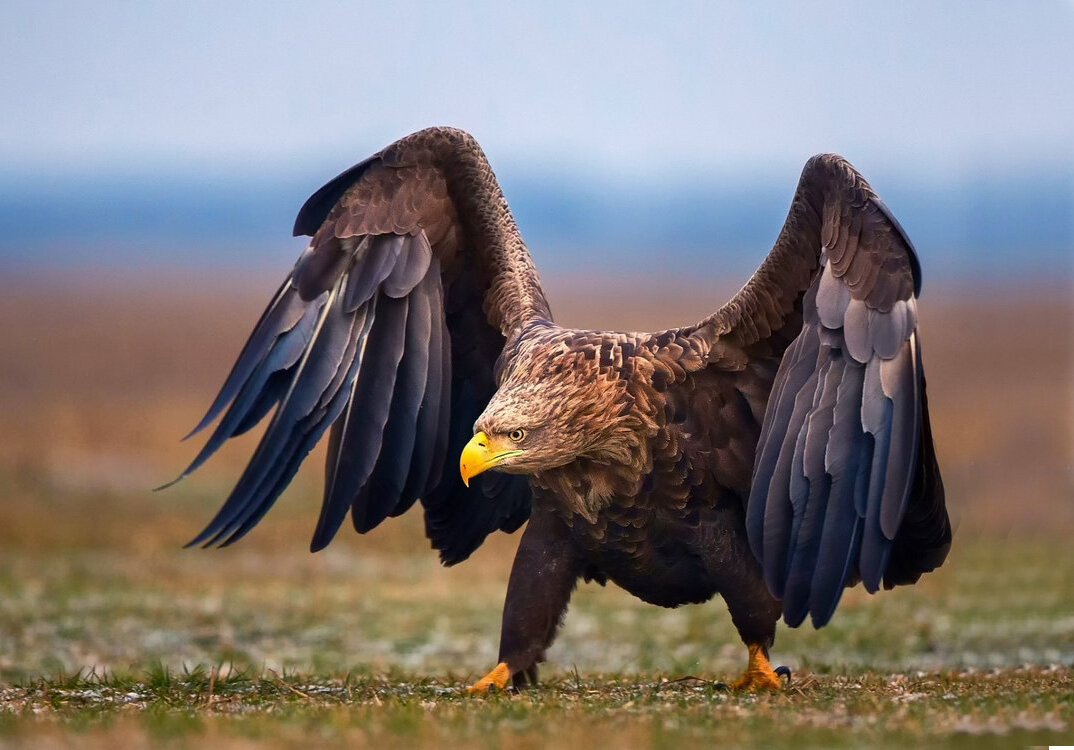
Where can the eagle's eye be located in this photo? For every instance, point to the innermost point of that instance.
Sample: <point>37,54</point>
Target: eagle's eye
<point>517,436</point>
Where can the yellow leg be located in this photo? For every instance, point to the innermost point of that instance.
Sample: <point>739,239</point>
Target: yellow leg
<point>497,678</point>
<point>759,674</point>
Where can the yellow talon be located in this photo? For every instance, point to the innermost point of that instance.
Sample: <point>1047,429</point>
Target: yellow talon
<point>497,678</point>
<point>759,674</point>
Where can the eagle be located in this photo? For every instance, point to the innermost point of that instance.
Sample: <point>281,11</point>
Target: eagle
<point>775,453</point>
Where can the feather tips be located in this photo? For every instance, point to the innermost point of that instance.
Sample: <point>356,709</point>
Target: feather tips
<point>282,314</point>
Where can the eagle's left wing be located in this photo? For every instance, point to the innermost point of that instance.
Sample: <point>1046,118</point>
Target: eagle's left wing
<point>845,483</point>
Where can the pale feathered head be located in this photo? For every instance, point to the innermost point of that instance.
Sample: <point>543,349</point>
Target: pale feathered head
<point>561,398</point>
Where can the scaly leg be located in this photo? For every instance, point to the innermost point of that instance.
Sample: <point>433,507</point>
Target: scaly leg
<point>755,612</point>
<point>543,576</point>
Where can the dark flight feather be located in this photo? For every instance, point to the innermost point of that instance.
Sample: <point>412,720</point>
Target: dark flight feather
<point>813,507</point>
<point>428,418</point>
<point>840,536</point>
<point>370,404</point>
<point>282,314</point>
<point>794,370</point>
<point>318,369</point>
<point>261,389</point>
<point>381,492</point>
<point>444,415</point>
<point>779,513</point>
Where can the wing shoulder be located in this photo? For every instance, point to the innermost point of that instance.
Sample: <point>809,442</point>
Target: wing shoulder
<point>834,212</point>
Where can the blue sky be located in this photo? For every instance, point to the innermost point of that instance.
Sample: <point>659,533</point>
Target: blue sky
<point>617,87</point>
<point>164,125</point>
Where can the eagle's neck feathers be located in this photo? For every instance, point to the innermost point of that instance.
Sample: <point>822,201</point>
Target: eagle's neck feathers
<point>625,414</point>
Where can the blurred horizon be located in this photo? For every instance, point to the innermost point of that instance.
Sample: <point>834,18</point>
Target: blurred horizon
<point>973,229</point>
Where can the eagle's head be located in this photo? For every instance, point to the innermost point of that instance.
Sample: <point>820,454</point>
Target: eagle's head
<point>562,397</point>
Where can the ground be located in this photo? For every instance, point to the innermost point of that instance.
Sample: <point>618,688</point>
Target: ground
<point>1010,707</point>
<point>111,634</point>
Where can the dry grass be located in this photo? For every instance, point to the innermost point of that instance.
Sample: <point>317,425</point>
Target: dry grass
<point>1019,707</point>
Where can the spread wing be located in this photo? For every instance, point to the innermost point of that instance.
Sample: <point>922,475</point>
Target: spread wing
<point>387,331</point>
<point>845,483</point>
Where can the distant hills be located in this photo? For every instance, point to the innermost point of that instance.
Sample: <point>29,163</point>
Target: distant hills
<point>986,225</point>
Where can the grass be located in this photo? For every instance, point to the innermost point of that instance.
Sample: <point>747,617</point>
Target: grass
<point>1024,706</point>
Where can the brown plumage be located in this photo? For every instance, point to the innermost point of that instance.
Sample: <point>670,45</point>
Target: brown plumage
<point>773,453</point>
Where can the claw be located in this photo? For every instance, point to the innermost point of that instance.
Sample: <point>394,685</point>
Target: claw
<point>783,671</point>
<point>527,678</point>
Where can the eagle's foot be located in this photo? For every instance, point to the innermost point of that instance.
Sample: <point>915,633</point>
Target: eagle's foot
<point>496,679</point>
<point>759,674</point>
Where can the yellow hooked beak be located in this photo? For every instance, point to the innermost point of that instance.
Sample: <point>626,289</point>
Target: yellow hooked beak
<point>481,454</point>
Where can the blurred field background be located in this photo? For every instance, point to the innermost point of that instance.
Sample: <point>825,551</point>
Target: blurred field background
<point>151,160</point>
